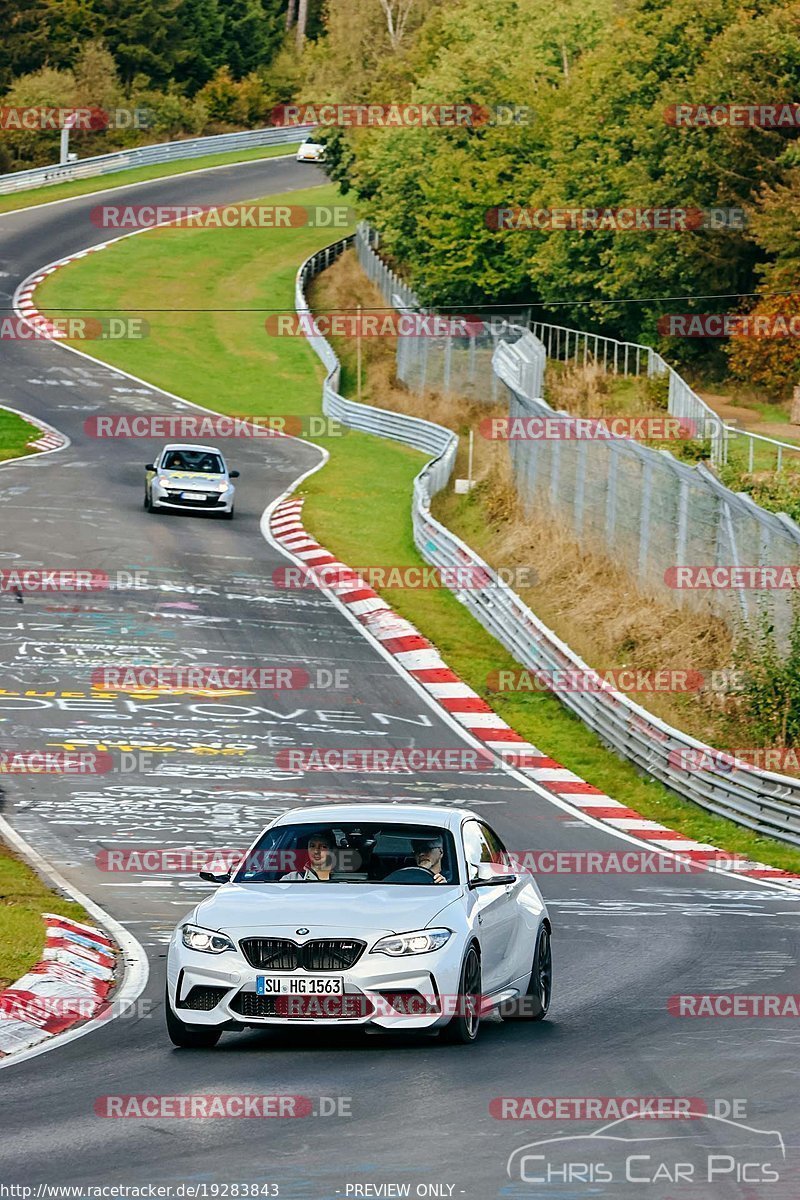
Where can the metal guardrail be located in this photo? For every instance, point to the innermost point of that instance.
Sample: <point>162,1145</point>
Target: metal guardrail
<point>629,358</point>
<point>455,364</point>
<point>577,347</point>
<point>644,508</point>
<point>757,799</point>
<point>763,801</point>
<point>142,156</point>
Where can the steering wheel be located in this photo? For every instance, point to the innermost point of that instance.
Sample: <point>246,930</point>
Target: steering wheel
<point>410,875</point>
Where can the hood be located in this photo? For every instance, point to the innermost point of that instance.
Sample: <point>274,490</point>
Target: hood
<point>346,908</point>
<point>206,476</point>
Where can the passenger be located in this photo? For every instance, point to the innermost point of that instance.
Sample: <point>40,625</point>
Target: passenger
<point>321,859</point>
<point>429,855</point>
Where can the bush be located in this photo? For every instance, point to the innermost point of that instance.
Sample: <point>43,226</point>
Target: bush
<point>771,691</point>
<point>657,391</point>
<point>239,102</point>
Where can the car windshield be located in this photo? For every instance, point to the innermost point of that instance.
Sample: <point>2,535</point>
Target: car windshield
<point>352,853</point>
<point>193,460</point>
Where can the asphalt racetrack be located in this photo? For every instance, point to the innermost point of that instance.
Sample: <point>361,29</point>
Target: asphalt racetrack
<point>412,1112</point>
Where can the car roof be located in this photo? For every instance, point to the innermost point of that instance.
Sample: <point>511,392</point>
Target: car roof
<point>191,446</point>
<point>403,814</point>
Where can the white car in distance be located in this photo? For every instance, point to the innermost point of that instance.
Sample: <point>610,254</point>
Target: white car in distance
<point>311,150</point>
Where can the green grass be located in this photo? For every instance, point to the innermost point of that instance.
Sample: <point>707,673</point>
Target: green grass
<point>23,896</point>
<point>359,506</point>
<point>23,899</point>
<point>79,187</point>
<point>15,435</point>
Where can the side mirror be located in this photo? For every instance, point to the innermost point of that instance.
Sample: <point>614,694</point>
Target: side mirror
<point>233,474</point>
<point>150,466</point>
<point>488,875</point>
<point>210,877</point>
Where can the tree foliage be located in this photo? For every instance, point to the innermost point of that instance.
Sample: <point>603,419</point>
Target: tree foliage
<point>599,77</point>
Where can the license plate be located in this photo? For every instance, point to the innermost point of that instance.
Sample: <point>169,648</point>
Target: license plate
<point>193,495</point>
<point>311,985</point>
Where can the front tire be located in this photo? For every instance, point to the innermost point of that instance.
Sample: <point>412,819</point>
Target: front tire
<point>189,1037</point>
<point>533,1005</point>
<point>462,1029</point>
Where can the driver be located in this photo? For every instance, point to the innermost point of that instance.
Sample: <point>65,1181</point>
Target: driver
<point>429,854</point>
<point>321,858</point>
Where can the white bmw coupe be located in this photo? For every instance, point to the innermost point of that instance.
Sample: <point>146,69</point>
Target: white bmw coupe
<point>391,917</point>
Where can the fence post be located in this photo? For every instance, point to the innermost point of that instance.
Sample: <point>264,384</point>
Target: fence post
<point>644,518</point>
<point>555,447</point>
<point>727,522</point>
<point>611,494</point>
<point>580,486</point>
<point>683,523</point>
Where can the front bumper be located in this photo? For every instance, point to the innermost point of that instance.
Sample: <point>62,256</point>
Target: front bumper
<point>409,994</point>
<point>311,156</point>
<point>211,501</point>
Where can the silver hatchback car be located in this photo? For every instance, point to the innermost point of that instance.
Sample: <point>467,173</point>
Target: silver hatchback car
<point>186,476</point>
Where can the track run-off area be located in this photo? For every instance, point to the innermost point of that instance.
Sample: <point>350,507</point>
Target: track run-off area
<point>202,772</point>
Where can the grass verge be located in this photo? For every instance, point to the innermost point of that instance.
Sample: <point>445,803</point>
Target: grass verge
<point>79,187</point>
<point>15,435</point>
<point>221,358</point>
<point>23,899</point>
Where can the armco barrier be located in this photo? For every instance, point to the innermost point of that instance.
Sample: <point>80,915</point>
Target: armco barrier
<point>142,156</point>
<point>645,508</point>
<point>760,800</point>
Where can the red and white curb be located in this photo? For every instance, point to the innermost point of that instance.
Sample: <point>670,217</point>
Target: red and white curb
<point>424,663</point>
<point>24,297</point>
<point>49,441</point>
<point>68,986</point>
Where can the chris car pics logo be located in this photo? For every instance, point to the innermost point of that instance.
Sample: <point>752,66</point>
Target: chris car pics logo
<point>636,1152</point>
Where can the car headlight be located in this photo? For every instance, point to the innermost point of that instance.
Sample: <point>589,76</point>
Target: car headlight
<point>163,481</point>
<point>420,941</point>
<point>223,486</point>
<point>207,940</point>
